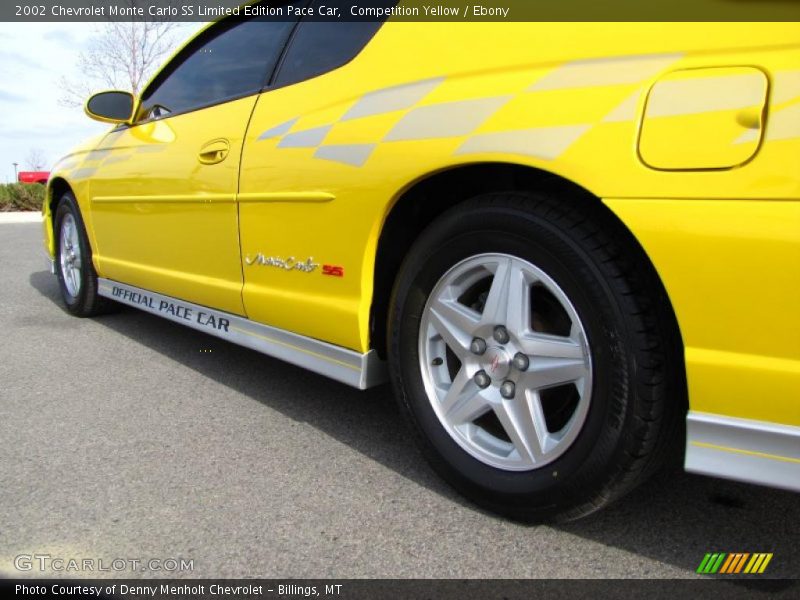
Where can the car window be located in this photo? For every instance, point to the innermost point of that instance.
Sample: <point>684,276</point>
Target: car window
<point>233,61</point>
<point>321,46</point>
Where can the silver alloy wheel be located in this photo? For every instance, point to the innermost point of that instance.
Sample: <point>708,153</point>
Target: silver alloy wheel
<point>70,255</point>
<point>511,383</point>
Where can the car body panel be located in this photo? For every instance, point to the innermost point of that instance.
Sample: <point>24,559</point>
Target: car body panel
<point>163,219</point>
<point>732,271</point>
<point>312,138</point>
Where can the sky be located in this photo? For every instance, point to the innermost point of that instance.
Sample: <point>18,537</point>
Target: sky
<point>33,57</point>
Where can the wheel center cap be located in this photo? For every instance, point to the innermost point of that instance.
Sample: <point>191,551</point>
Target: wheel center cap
<point>497,363</point>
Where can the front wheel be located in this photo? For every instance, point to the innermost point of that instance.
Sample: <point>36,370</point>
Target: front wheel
<point>77,278</point>
<point>531,360</point>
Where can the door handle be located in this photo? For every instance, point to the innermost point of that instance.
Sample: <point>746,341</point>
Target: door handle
<point>214,152</point>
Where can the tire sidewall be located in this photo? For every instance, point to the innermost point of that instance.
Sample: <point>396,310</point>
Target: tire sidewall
<point>75,304</point>
<point>590,461</point>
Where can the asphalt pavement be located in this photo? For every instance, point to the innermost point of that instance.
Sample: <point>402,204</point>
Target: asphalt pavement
<point>130,437</point>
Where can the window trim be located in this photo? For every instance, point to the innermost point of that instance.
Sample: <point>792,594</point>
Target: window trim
<point>269,80</point>
<point>189,49</point>
<point>194,109</point>
<point>279,65</point>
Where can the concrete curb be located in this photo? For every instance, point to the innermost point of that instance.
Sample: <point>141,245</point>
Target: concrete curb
<point>20,217</point>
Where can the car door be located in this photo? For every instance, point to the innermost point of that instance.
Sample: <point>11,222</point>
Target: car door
<point>163,199</point>
<point>302,234</point>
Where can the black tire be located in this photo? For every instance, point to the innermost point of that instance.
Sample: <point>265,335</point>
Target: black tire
<point>638,392</point>
<point>86,302</point>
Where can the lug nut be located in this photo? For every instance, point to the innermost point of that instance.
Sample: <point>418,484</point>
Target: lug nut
<point>501,334</point>
<point>478,346</point>
<point>482,379</point>
<point>521,362</point>
<point>507,389</point>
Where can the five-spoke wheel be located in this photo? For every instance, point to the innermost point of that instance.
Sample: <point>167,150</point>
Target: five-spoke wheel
<point>533,353</point>
<point>76,275</point>
<point>70,255</point>
<point>510,380</point>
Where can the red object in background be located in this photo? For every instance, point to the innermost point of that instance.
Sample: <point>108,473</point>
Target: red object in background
<point>33,176</point>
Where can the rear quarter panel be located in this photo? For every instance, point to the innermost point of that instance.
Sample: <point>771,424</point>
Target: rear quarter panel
<point>561,97</point>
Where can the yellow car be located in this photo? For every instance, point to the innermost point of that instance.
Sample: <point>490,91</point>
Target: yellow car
<point>567,257</point>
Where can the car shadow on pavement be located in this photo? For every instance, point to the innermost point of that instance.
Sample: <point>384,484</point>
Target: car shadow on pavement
<point>674,518</point>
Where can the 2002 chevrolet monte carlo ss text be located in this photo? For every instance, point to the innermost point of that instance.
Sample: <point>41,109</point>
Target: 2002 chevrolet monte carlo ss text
<point>568,256</point>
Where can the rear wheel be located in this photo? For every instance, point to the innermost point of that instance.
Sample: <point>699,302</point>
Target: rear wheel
<point>505,360</point>
<point>77,278</point>
<point>532,357</point>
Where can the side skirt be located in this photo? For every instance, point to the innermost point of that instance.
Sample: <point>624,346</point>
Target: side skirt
<point>744,450</point>
<point>348,366</point>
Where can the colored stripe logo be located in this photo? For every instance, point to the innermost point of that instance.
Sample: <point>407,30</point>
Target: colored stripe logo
<point>734,563</point>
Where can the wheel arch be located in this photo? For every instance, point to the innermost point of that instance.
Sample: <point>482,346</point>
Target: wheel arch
<point>56,187</point>
<point>426,198</point>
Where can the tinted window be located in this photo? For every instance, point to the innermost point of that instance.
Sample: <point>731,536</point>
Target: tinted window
<point>234,62</point>
<point>321,46</point>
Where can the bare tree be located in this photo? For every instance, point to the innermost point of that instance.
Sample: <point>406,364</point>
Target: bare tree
<point>121,55</point>
<point>36,160</point>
